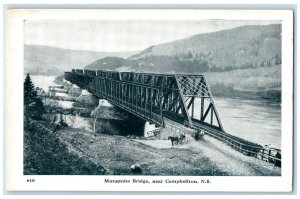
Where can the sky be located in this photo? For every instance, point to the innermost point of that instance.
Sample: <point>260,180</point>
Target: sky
<point>121,35</point>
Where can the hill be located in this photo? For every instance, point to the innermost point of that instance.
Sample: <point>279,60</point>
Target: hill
<point>238,48</point>
<point>242,47</point>
<point>46,60</point>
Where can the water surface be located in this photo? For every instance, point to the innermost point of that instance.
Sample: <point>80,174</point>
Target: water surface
<point>254,120</point>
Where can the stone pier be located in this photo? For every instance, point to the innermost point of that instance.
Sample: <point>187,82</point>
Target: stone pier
<point>110,119</point>
<point>74,90</point>
<point>86,97</point>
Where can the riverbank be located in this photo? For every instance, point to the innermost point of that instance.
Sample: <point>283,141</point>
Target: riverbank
<point>268,95</point>
<point>263,83</point>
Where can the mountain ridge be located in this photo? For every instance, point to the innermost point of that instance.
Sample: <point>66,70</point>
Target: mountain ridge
<point>250,46</point>
<point>49,60</point>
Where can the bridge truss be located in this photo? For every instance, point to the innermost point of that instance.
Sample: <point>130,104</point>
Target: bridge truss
<point>183,98</point>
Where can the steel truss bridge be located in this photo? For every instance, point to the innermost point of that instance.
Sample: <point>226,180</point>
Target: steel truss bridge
<point>184,99</point>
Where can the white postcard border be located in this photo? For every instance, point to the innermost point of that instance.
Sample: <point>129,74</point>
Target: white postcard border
<point>16,181</point>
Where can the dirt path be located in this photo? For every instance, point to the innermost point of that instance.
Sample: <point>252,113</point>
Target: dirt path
<point>207,157</point>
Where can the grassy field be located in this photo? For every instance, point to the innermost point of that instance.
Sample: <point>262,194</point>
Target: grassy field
<point>45,154</point>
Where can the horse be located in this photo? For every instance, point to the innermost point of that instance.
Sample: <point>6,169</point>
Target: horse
<point>173,139</point>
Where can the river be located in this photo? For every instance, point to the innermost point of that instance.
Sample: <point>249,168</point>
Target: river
<point>253,120</point>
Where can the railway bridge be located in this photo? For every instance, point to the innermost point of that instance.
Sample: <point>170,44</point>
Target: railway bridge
<point>166,100</point>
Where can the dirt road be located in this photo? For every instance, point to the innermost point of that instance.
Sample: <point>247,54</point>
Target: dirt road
<point>208,157</point>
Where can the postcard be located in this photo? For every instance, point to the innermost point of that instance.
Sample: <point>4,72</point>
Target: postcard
<point>149,100</point>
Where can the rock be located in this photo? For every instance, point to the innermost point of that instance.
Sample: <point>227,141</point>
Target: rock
<point>136,168</point>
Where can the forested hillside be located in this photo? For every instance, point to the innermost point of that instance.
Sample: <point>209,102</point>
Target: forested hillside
<point>237,48</point>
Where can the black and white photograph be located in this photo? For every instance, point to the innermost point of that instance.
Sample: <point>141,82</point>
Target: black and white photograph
<point>179,100</point>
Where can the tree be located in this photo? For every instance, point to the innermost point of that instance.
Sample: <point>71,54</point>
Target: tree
<point>30,94</point>
<point>33,105</point>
